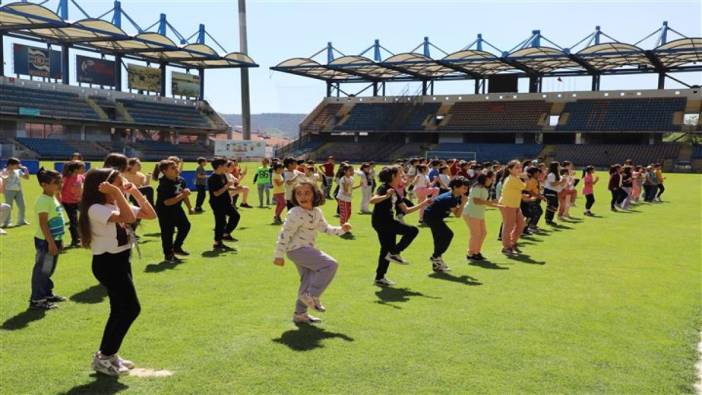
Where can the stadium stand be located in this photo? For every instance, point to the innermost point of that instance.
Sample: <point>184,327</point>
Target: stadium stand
<point>164,114</point>
<point>323,118</point>
<point>607,154</point>
<point>16,99</point>
<point>388,116</point>
<point>499,152</point>
<point>497,116</point>
<point>646,114</point>
<point>157,150</point>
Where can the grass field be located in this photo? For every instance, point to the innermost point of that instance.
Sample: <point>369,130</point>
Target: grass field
<point>606,304</point>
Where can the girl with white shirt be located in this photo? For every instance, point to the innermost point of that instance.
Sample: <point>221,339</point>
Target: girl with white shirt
<point>552,186</point>
<point>297,240</point>
<point>366,187</point>
<point>424,188</point>
<point>105,216</point>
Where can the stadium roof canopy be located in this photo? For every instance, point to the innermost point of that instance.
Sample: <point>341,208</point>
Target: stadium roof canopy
<point>534,57</point>
<point>36,22</point>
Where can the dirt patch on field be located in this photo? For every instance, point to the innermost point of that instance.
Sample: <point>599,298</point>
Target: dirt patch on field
<point>150,373</point>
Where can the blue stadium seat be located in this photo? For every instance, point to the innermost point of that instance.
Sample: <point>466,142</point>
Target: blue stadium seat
<point>650,114</point>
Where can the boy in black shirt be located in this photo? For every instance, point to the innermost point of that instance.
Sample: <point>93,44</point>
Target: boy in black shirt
<point>171,192</point>
<point>221,204</point>
<point>200,183</point>
<point>387,227</point>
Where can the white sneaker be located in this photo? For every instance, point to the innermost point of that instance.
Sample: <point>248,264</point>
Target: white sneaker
<point>125,362</point>
<point>305,318</point>
<point>438,265</point>
<point>384,282</point>
<point>3,231</point>
<point>396,258</point>
<point>109,366</point>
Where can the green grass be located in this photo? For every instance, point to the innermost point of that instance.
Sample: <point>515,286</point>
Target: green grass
<point>608,304</point>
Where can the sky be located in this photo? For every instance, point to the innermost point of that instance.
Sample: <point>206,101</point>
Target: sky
<point>279,29</point>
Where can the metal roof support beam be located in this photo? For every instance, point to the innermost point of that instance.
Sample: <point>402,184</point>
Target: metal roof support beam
<point>163,79</point>
<point>201,34</point>
<point>117,15</point>
<point>62,9</point>
<point>201,72</point>
<point>595,82</point>
<point>2,56</point>
<point>65,67</point>
<point>118,72</point>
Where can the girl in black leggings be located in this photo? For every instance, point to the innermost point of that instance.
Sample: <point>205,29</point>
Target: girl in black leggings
<point>104,225</point>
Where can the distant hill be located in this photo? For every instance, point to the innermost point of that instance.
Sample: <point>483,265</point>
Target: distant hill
<point>271,124</point>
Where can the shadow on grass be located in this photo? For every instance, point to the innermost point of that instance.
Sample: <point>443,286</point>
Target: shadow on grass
<point>464,279</point>
<point>485,264</point>
<point>23,319</point>
<point>144,241</point>
<point>152,234</point>
<point>92,295</point>
<point>161,266</point>
<point>308,337</point>
<point>102,385</point>
<point>388,296</point>
<point>526,259</point>
<point>531,238</point>
<point>559,227</point>
<point>216,253</point>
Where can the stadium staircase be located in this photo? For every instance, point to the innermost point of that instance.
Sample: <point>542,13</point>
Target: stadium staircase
<point>92,102</point>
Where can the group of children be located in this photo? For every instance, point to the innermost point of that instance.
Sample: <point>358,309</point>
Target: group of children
<point>104,207</point>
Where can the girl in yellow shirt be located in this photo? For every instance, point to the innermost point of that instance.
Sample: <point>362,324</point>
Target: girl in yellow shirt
<point>512,218</point>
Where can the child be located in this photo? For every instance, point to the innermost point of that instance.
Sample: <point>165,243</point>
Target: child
<point>441,207</point>
<point>660,179</point>
<point>345,195</point>
<point>105,215</point>
<point>70,196</point>
<point>627,185</point>
<point>141,181</point>
<point>291,177</point>
<point>4,209</point>
<point>512,218</point>
<point>474,214</point>
<point>297,240</point>
<point>171,192</point>
<point>263,180</point>
<point>424,188</point>
<point>366,187</point>
<point>13,190</point>
<point>534,209</point>
<point>221,204</point>
<point>200,183</point>
<point>47,241</point>
<point>615,186</point>
<point>239,175</point>
<point>387,227</point>
<point>553,184</point>
<point>637,182</point>
<point>589,181</point>
<point>278,192</point>
<point>444,179</point>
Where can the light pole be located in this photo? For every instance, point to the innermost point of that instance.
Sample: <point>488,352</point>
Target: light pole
<point>245,104</point>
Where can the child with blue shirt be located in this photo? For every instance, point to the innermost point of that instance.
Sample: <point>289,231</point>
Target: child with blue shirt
<point>441,207</point>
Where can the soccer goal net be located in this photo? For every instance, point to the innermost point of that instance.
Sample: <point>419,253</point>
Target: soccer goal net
<point>460,155</point>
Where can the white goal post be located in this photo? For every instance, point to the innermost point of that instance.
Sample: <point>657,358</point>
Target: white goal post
<point>460,155</point>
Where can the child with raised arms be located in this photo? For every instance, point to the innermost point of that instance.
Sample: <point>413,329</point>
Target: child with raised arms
<point>442,206</point>
<point>384,204</point>
<point>474,214</point>
<point>104,225</point>
<point>297,241</point>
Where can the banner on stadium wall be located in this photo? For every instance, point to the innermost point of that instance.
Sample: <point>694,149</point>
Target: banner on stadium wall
<point>183,84</point>
<point>95,71</point>
<point>240,148</point>
<point>144,78</point>
<point>37,62</point>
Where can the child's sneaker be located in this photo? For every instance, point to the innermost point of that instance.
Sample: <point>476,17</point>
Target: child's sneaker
<point>305,318</point>
<point>41,305</point>
<point>384,282</point>
<point>3,231</point>
<point>307,300</point>
<point>56,299</point>
<point>125,362</point>
<point>396,258</point>
<point>108,365</point>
